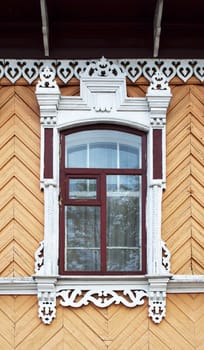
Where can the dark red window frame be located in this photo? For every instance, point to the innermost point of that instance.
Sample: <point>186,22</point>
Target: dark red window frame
<point>99,174</point>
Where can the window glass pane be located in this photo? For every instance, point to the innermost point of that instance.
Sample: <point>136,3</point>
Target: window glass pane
<point>103,155</point>
<point>103,149</point>
<point>129,157</point>
<point>77,157</point>
<point>123,259</point>
<point>123,223</point>
<point>82,188</point>
<point>82,238</point>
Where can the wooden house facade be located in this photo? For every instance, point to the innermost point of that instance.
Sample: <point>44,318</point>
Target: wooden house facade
<point>160,308</point>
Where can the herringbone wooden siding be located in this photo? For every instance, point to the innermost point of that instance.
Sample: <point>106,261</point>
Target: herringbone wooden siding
<point>21,229</point>
<point>114,328</point>
<point>183,200</point>
<point>21,201</point>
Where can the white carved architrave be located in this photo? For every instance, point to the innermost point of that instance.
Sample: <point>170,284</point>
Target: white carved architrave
<point>103,99</point>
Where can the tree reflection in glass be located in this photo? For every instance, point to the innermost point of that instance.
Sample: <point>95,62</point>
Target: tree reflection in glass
<point>123,223</point>
<point>82,238</point>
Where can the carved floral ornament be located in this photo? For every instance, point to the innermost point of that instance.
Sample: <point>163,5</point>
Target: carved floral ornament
<point>103,97</point>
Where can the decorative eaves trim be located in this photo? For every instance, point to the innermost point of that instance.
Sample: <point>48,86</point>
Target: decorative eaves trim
<point>65,70</point>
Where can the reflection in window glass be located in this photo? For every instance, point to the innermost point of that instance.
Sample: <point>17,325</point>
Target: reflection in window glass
<point>82,238</point>
<point>103,149</point>
<point>103,155</point>
<point>82,188</point>
<point>77,157</point>
<point>128,157</point>
<point>123,223</point>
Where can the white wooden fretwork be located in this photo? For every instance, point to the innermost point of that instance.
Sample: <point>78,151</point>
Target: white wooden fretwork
<point>101,297</point>
<point>102,99</point>
<point>133,68</point>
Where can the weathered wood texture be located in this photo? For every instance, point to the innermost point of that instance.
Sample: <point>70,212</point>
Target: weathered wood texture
<point>114,328</point>
<point>21,201</point>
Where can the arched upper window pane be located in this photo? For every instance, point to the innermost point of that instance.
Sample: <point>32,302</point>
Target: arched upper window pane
<point>103,149</point>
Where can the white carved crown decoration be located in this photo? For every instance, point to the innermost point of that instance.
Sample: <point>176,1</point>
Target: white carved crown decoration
<point>103,98</point>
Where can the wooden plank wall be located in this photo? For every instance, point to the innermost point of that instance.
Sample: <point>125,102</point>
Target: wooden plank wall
<point>113,328</point>
<point>183,201</point>
<point>21,201</point>
<point>21,229</point>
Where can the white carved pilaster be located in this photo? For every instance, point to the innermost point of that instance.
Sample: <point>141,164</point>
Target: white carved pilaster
<point>158,97</point>
<point>51,228</point>
<point>154,255</point>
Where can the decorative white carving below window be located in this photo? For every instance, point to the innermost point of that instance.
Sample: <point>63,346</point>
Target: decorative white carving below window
<point>133,68</point>
<point>103,99</point>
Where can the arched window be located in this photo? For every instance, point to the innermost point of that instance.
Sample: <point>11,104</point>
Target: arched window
<point>103,190</point>
<point>99,143</point>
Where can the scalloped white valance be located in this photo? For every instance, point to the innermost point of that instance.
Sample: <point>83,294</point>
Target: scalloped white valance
<point>133,68</point>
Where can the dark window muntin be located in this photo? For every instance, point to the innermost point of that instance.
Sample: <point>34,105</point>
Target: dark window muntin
<point>66,173</point>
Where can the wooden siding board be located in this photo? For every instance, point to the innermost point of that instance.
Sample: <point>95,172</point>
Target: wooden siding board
<point>28,221</point>
<point>6,94</point>
<point>180,321</point>
<point>183,327</point>
<point>7,329</point>
<point>170,336</point>
<point>185,162</point>
<point>6,153</point>
<point>80,330</point>
<point>27,95</point>
<point>27,157</point>
<point>19,164</point>
<point>176,241</point>
<point>6,235</point>
<point>133,329</point>
<point>156,344</point>
<point>95,320</point>
<point>178,95</point>
<point>182,259</point>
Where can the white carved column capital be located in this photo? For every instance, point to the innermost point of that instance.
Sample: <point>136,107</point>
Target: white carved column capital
<point>48,95</point>
<point>157,297</point>
<point>158,97</point>
<point>46,298</point>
